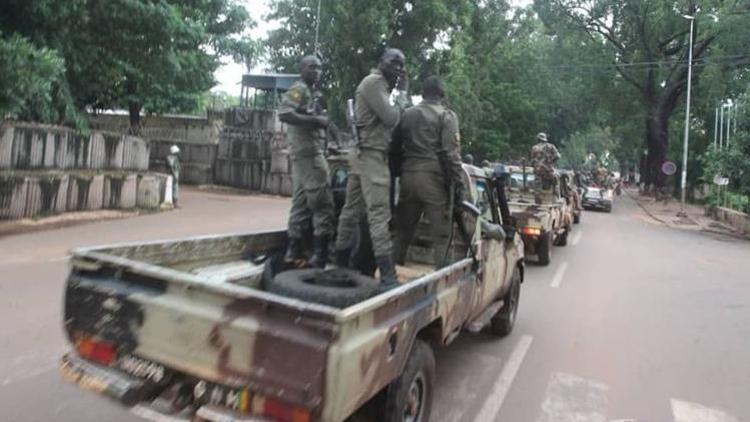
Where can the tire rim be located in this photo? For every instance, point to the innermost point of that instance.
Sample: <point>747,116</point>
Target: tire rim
<point>414,404</point>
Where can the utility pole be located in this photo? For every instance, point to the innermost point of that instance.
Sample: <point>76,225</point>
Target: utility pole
<point>729,120</point>
<point>716,126</point>
<point>317,29</point>
<point>687,118</point>
<point>721,125</point>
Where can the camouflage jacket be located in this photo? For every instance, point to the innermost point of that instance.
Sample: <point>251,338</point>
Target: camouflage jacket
<point>544,154</point>
<point>375,114</point>
<point>305,141</point>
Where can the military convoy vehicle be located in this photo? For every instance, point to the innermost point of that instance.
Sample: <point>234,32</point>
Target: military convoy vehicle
<point>194,329</point>
<point>543,217</point>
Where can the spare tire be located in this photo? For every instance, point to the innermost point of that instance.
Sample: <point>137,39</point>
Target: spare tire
<point>338,287</point>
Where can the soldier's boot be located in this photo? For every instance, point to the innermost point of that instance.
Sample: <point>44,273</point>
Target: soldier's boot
<point>293,250</point>
<point>341,257</point>
<point>320,251</point>
<point>388,278</point>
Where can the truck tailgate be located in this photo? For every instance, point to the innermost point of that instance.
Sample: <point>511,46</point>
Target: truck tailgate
<point>224,334</point>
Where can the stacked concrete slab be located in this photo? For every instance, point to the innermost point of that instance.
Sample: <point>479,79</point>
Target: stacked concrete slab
<point>253,153</point>
<point>51,169</point>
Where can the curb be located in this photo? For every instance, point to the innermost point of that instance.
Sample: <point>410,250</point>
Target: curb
<point>650,214</point>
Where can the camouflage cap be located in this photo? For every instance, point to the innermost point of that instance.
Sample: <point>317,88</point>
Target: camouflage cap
<point>541,136</point>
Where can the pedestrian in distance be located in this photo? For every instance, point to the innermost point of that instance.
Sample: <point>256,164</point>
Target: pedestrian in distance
<point>173,162</point>
<point>368,187</point>
<point>312,201</point>
<point>431,172</point>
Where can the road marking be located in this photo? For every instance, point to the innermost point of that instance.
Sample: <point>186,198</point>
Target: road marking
<point>59,259</point>
<point>152,415</point>
<point>685,411</point>
<point>494,400</point>
<point>570,398</point>
<point>576,238</point>
<point>559,274</point>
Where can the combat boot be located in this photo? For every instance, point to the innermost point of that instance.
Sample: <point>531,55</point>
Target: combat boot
<point>320,252</point>
<point>388,278</point>
<point>341,258</point>
<point>293,250</point>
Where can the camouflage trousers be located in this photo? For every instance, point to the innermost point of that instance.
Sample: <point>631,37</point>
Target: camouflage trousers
<point>312,201</point>
<point>367,196</point>
<point>422,192</point>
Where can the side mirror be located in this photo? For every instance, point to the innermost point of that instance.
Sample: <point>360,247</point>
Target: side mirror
<point>470,208</point>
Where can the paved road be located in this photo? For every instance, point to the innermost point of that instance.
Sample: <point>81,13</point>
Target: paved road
<point>632,321</point>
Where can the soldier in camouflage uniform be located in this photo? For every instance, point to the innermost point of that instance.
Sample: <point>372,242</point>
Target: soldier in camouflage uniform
<point>431,147</point>
<point>543,157</point>
<point>368,186</point>
<point>312,200</point>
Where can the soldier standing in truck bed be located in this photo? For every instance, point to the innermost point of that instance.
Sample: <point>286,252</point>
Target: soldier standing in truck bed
<point>431,164</point>
<point>368,186</point>
<point>543,156</point>
<point>312,201</point>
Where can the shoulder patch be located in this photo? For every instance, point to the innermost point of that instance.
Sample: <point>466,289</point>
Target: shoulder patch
<point>458,138</point>
<point>295,95</point>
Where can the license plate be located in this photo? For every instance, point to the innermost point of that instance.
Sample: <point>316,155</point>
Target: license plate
<point>142,368</point>
<point>238,399</point>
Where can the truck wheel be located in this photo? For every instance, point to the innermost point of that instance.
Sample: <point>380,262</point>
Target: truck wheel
<point>577,217</point>
<point>502,323</point>
<point>409,397</point>
<point>338,287</point>
<point>562,239</point>
<point>544,251</point>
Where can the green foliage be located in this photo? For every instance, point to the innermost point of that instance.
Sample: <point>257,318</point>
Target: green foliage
<point>154,56</point>
<point>32,85</point>
<point>586,149</point>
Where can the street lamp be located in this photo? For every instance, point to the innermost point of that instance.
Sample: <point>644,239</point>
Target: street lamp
<point>687,117</point>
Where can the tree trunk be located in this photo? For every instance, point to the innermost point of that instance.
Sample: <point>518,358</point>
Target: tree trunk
<point>134,110</point>
<point>657,142</point>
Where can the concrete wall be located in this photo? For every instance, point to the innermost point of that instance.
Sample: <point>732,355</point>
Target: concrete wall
<point>31,146</point>
<point>40,194</point>
<point>253,153</point>
<point>197,160</point>
<point>738,220</point>
<point>175,128</point>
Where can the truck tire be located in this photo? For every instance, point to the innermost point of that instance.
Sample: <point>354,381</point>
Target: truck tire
<point>562,239</point>
<point>544,250</point>
<point>409,397</point>
<point>502,323</point>
<point>577,217</point>
<point>339,287</point>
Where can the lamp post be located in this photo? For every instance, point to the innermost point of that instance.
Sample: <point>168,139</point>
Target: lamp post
<point>687,117</point>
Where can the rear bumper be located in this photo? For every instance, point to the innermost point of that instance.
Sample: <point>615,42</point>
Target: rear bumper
<point>100,379</point>
<point>132,392</point>
<point>597,205</point>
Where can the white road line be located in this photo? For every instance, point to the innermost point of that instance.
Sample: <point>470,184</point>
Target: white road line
<point>576,238</point>
<point>62,258</point>
<point>684,411</point>
<point>559,274</point>
<point>494,400</point>
<point>570,398</point>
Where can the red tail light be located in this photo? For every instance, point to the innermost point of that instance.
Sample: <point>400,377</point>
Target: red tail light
<point>282,413</point>
<point>97,351</point>
<point>531,231</point>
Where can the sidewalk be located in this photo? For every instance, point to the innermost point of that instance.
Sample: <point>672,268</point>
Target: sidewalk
<point>666,213</point>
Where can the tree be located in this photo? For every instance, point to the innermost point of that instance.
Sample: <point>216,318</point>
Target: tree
<point>142,55</point>
<point>354,33</point>
<point>32,85</point>
<point>648,45</point>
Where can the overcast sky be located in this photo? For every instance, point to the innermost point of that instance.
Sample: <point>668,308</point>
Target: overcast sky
<point>230,75</point>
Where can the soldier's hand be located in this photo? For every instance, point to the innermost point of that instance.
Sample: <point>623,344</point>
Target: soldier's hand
<point>403,81</point>
<point>322,121</point>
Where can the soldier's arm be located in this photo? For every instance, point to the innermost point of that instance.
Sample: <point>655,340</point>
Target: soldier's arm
<point>289,110</point>
<point>451,146</point>
<point>377,99</point>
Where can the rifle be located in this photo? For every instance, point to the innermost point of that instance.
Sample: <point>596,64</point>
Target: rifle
<point>315,108</point>
<point>351,119</point>
<point>456,215</point>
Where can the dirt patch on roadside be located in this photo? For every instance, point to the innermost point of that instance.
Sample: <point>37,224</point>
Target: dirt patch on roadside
<point>26,225</point>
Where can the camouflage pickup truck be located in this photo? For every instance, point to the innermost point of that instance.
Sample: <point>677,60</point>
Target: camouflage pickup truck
<point>544,217</point>
<point>186,330</point>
